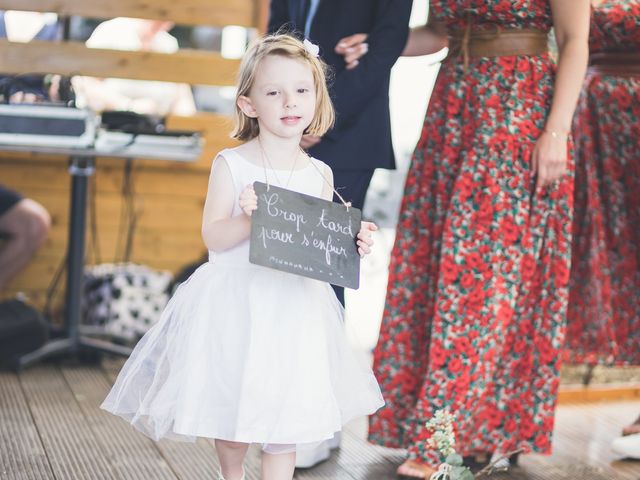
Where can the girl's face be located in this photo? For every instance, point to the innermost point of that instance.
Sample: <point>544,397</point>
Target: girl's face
<point>283,97</point>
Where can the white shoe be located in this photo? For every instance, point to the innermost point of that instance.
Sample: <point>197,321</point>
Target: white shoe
<point>310,457</point>
<point>220,477</point>
<point>628,447</point>
<point>335,441</point>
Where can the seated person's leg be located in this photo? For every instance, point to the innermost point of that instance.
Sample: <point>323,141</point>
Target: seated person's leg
<point>25,224</point>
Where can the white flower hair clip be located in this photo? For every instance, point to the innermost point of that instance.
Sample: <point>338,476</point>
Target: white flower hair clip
<point>311,48</point>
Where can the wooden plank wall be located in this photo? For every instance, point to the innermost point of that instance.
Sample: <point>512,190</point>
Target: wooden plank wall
<point>167,197</point>
<point>190,12</point>
<point>188,66</point>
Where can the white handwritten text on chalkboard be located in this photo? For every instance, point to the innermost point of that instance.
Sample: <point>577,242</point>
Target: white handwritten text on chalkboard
<point>305,235</point>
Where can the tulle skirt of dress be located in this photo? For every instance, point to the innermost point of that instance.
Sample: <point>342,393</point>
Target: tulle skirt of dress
<point>247,354</point>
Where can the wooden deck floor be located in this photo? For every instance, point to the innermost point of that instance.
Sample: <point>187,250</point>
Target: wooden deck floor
<point>51,428</point>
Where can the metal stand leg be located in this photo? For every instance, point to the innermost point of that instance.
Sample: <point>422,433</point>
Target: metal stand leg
<point>81,168</point>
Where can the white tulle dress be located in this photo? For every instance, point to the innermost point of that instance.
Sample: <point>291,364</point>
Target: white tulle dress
<point>246,353</point>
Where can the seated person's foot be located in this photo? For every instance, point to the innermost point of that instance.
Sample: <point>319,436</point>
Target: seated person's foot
<point>632,429</point>
<point>411,469</point>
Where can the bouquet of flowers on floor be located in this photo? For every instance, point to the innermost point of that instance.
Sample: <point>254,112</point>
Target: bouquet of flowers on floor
<point>443,439</point>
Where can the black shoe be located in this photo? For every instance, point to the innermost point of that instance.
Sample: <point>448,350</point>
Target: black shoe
<point>474,464</point>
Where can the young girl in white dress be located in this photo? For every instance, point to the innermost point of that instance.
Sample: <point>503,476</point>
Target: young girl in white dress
<point>242,353</point>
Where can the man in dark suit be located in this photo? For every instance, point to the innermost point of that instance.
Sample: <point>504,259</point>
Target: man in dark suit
<point>360,141</point>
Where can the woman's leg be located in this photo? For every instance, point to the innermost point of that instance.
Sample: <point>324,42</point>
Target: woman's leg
<point>231,455</point>
<point>278,462</point>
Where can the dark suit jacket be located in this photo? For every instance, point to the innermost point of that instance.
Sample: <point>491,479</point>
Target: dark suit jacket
<point>361,138</point>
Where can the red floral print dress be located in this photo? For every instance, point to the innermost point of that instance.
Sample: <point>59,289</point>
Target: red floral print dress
<point>604,296</point>
<point>475,313</point>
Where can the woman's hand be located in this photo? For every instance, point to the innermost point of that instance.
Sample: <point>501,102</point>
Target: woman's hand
<point>365,241</point>
<point>248,200</point>
<point>352,48</point>
<point>549,158</point>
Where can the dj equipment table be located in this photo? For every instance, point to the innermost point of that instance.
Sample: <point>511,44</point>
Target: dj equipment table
<point>178,147</point>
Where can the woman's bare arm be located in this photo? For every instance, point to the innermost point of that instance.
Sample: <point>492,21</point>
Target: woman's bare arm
<point>425,40</point>
<point>571,24</point>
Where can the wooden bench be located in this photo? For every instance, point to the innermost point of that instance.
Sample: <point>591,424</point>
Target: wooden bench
<point>165,207</point>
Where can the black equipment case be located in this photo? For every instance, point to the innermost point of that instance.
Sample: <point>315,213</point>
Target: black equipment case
<point>22,330</point>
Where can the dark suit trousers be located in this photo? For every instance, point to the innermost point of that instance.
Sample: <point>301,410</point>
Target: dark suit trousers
<point>352,185</point>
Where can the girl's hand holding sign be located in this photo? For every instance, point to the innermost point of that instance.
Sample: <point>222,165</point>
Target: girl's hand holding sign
<point>365,240</point>
<point>248,201</point>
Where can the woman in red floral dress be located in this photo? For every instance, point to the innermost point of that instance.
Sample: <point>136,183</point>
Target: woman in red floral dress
<point>604,300</point>
<point>477,295</point>
<point>603,318</point>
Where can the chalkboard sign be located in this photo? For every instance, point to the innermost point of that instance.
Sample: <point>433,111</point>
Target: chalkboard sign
<point>305,235</point>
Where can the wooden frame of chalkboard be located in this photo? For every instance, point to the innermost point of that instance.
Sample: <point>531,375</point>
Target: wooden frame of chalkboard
<point>305,235</point>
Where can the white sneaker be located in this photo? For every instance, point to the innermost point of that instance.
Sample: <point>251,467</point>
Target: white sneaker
<point>628,447</point>
<point>310,457</point>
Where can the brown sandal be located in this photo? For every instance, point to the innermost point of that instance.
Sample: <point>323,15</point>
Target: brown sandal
<point>421,471</point>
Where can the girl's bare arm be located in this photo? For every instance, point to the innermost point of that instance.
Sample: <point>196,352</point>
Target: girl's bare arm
<point>221,231</point>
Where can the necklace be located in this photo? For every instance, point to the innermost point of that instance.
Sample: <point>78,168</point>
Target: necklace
<point>265,161</point>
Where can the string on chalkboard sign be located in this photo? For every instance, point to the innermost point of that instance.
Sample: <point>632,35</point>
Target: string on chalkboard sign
<point>265,160</point>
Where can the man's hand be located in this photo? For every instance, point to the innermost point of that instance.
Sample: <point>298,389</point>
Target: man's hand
<point>352,48</point>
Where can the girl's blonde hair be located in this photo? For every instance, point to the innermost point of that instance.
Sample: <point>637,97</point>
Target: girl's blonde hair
<point>287,46</point>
